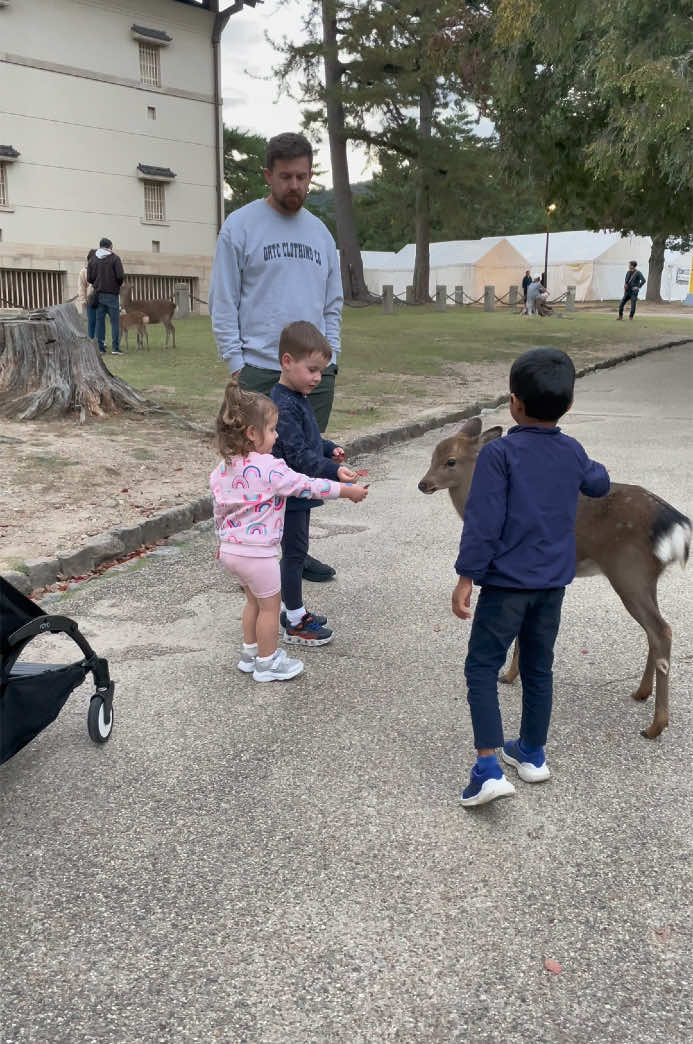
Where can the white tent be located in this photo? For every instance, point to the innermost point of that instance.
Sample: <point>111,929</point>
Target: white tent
<point>676,275</point>
<point>595,263</point>
<point>470,263</point>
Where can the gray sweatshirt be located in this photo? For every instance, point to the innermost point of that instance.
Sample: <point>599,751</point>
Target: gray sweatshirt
<point>271,269</point>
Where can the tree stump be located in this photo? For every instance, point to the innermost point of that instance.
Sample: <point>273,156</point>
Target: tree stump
<point>49,367</point>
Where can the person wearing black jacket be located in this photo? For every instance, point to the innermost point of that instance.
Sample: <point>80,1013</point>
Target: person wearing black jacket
<point>526,283</point>
<point>634,280</point>
<point>105,273</point>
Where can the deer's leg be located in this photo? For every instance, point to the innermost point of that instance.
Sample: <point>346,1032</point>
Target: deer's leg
<point>173,332</point>
<point>514,669</point>
<point>641,603</point>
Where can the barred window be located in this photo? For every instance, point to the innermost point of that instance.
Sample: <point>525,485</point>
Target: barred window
<point>154,208</point>
<point>150,65</point>
<point>4,197</point>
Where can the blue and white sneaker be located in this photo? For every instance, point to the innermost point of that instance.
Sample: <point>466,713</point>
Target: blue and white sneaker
<point>530,764</point>
<point>319,620</point>
<point>486,785</point>
<point>246,662</point>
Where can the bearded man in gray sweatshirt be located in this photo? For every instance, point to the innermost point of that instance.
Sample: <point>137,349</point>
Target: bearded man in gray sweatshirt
<point>275,264</point>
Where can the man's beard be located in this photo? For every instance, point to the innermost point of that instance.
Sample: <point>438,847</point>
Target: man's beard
<point>291,204</point>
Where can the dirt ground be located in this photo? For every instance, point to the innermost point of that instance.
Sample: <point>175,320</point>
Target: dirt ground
<point>62,484</point>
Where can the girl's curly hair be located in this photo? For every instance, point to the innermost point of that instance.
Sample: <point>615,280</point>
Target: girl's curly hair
<point>239,410</point>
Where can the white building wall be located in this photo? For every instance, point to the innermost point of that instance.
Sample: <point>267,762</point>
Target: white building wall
<point>81,136</point>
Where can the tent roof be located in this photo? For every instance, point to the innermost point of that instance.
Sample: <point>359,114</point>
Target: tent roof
<point>378,258</point>
<point>566,247</point>
<point>453,252</point>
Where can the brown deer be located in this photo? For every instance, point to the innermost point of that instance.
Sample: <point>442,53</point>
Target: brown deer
<point>630,536</point>
<point>159,310</point>
<point>135,321</point>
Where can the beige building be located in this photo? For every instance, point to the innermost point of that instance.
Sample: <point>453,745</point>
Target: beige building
<point>110,125</point>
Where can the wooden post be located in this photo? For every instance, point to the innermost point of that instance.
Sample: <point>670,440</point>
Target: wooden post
<point>441,298</point>
<point>459,295</point>
<point>570,299</point>
<point>388,299</point>
<point>489,298</point>
<point>410,299</point>
<point>181,293</point>
<point>512,297</point>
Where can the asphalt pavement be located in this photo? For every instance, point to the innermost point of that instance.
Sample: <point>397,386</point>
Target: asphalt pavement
<point>290,862</point>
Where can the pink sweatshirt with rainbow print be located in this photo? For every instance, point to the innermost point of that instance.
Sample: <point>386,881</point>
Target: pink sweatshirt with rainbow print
<point>249,495</point>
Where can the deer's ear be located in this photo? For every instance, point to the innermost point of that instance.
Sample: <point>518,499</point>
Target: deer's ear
<point>490,434</point>
<point>471,428</point>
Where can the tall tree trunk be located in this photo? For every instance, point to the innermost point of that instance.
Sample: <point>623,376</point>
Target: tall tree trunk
<point>654,277</point>
<point>353,282</point>
<point>49,367</point>
<point>422,264</point>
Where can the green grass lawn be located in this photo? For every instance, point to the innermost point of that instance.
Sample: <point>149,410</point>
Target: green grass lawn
<point>380,351</point>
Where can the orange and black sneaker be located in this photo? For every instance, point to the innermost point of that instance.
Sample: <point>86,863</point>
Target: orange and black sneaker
<point>307,632</point>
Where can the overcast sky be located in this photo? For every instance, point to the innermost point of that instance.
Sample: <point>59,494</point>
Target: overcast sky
<point>253,104</point>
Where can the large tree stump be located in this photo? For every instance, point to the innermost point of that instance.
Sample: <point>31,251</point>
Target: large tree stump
<point>49,367</point>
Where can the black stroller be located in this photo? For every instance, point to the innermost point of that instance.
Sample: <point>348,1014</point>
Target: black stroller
<point>33,694</point>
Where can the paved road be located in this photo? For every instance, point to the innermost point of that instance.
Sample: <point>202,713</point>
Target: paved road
<point>291,863</point>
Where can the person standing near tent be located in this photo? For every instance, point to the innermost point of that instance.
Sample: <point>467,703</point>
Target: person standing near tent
<point>534,290</point>
<point>526,283</point>
<point>631,287</point>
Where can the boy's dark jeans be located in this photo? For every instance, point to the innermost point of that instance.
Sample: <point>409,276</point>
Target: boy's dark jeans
<point>108,303</point>
<point>254,378</point>
<point>502,614</point>
<point>294,551</point>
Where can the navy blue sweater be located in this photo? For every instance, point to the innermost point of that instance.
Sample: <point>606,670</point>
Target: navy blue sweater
<point>300,443</point>
<point>519,519</point>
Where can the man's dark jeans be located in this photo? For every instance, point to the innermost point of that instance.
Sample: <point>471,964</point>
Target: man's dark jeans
<point>254,378</point>
<point>632,296</point>
<point>108,303</point>
<point>294,551</point>
<point>502,614</point>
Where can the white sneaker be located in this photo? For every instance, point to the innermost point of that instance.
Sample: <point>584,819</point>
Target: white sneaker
<point>280,668</point>
<point>246,663</point>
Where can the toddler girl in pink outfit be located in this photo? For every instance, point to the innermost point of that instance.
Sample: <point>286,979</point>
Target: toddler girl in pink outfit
<point>249,491</point>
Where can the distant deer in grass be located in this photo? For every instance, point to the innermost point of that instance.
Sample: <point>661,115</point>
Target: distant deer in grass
<point>159,310</point>
<point>630,536</point>
<point>135,321</point>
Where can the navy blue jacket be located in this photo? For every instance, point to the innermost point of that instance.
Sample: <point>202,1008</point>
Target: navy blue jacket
<point>519,519</point>
<point>300,443</point>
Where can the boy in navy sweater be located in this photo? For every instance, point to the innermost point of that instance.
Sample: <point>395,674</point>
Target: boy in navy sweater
<point>303,354</point>
<point>518,544</point>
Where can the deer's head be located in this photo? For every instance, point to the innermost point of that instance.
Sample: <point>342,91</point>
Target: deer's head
<point>453,460</point>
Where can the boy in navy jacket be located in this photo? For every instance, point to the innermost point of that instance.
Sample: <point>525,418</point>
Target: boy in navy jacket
<point>518,544</point>
<point>303,354</point>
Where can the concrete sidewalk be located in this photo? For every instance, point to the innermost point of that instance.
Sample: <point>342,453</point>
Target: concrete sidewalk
<point>290,863</point>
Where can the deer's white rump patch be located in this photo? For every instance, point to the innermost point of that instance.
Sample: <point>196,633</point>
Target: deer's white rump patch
<point>674,544</point>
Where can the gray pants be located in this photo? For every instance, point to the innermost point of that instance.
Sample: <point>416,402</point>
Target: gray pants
<point>254,378</point>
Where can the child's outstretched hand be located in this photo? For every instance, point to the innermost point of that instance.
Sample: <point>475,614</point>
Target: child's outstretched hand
<point>460,598</point>
<point>338,453</point>
<point>354,493</point>
<point>346,475</point>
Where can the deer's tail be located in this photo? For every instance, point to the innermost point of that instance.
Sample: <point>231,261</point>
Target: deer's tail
<point>671,535</point>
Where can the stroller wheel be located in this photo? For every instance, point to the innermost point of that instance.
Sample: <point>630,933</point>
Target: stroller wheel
<point>99,731</point>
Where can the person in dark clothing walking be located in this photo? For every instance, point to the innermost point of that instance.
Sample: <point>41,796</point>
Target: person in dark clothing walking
<point>633,282</point>
<point>518,544</point>
<point>105,273</point>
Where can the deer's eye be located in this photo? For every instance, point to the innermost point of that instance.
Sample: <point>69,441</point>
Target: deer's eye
<point>451,462</point>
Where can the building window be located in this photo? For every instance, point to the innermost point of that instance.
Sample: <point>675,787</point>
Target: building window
<point>151,112</point>
<point>150,65</point>
<point>156,246</point>
<point>4,197</point>
<point>154,209</point>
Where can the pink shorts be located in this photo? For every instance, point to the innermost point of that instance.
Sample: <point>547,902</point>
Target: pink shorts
<point>260,575</point>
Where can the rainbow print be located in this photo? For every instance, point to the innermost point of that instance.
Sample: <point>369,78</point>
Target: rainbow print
<point>250,469</point>
<point>256,528</point>
<point>239,483</point>
<point>305,494</point>
<point>274,474</point>
<point>252,498</point>
<point>222,468</point>
<point>259,508</point>
<point>278,503</point>
<point>230,523</point>
<point>325,489</point>
<point>278,525</point>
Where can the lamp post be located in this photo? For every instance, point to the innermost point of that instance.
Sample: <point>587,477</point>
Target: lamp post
<point>549,212</point>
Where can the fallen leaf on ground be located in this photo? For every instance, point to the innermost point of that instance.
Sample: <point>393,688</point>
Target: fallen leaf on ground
<point>552,966</point>
<point>436,627</point>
